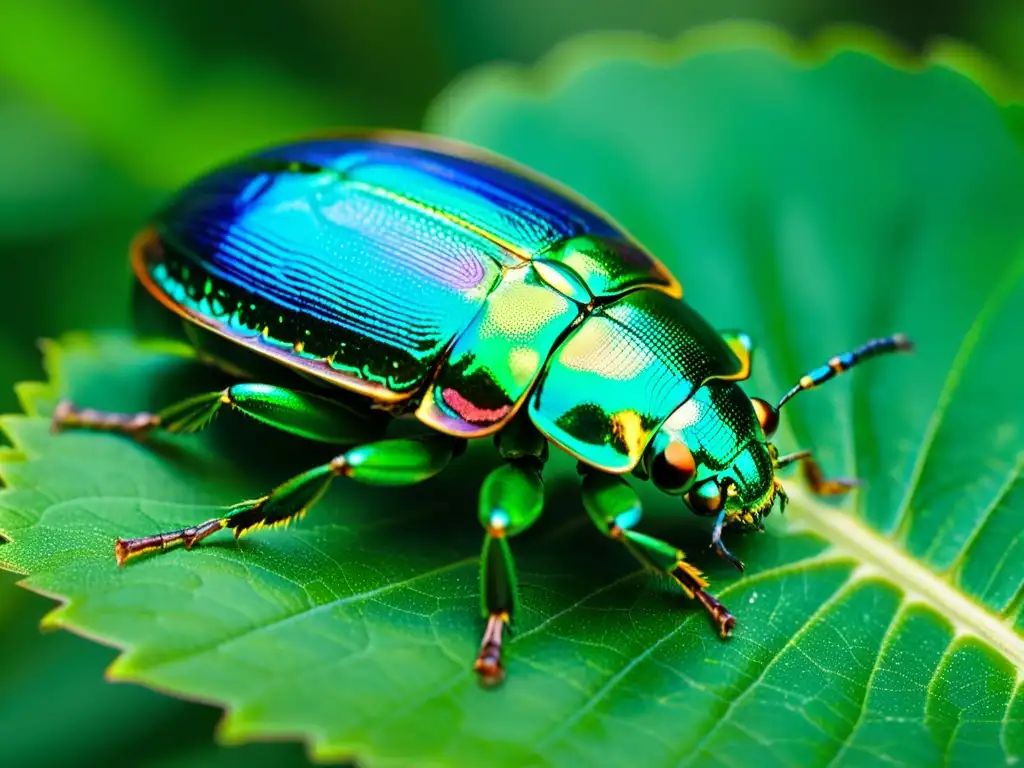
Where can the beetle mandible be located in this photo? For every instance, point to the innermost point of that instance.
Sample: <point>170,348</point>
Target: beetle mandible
<point>392,273</point>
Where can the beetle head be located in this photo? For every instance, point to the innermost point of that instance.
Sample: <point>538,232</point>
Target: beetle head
<point>714,450</point>
<point>750,485</point>
<point>716,447</point>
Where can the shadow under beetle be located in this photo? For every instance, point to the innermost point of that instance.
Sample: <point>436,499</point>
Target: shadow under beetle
<point>393,273</point>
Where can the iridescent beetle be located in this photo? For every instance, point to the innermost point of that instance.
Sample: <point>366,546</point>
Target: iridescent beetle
<point>435,279</point>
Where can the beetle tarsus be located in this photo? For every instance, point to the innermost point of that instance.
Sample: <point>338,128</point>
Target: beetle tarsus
<point>720,549</point>
<point>125,549</point>
<point>823,486</point>
<point>724,620</point>
<point>67,416</point>
<point>488,664</point>
<point>690,579</point>
<point>61,415</point>
<point>815,477</point>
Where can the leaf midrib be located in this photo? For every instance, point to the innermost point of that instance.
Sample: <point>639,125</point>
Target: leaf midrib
<point>879,557</point>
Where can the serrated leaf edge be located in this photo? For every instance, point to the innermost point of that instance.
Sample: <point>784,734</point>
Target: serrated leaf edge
<point>576,55</point>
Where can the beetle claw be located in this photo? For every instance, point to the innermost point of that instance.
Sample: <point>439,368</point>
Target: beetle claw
<point>60,415</point>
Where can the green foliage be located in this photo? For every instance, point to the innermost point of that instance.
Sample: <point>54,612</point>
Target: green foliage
<point>104,110</point>
<point>45,680</point>
<point>813,206</point>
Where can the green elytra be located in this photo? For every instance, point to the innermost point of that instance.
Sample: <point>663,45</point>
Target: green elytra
<point>351,279</point>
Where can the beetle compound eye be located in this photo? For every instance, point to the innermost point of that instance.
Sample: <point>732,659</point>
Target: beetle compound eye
<point>767,416</point>
<point>707,498</point>
<point>673,468</point>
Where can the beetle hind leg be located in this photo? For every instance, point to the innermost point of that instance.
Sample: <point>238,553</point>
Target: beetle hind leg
<point>186,416</point>
<point>299,413</point>
<point>615,509</point>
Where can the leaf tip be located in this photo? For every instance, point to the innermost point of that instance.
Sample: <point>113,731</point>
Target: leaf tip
<point>53,619</point>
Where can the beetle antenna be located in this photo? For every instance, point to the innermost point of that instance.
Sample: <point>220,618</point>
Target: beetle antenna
<point>842,363</point>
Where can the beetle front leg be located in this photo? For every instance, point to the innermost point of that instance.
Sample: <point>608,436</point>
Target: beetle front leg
<point>400,461</point>
<point>615,509</point>
<point>298,413</point>
<point>815,477</point>
<point>719,545</point>
<point>511,500</point>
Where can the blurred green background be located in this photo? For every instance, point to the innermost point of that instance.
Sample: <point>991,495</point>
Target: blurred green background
<point>108,105</point>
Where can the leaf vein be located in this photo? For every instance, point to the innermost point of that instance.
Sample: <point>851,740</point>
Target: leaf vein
<point>887,640</point>
<point>741,696</point>
<point>989,511</point>
<point>878,554</point>
<point>979,325</point>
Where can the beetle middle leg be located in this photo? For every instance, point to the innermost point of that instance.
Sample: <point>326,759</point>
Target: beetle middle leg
<point>511,500</point>
<point>615,509</point>
<point>298,413</point>
<point>397,461</point>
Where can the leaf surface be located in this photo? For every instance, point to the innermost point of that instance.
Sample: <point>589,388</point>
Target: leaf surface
<point>814,201</point>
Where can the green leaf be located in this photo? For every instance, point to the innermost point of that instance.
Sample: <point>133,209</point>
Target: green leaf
<point>56,683</point>
<point>137,99</point>
<point>813,199</point>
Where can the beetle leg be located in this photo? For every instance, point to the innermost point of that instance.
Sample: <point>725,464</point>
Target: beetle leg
<point>719,545</point>
<point>511,500</point>
<point>68,416</point>
<point>399,461</point>
<point>299,413</point>
<point>189,415</point>
<point>815,477</point>
<point>615,509</point>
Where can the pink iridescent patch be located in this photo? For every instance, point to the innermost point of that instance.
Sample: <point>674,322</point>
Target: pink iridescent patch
<point>470,412</point>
